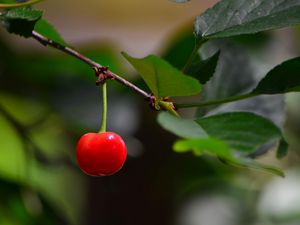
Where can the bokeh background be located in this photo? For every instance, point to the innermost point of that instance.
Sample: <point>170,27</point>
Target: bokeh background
<point>48,100</point>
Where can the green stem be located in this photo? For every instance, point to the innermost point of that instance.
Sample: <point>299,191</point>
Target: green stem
<point>193,55</point>
<point>217,102</point>
<point>169,107</point>
<point>104,109</point>
<point>30,2</point>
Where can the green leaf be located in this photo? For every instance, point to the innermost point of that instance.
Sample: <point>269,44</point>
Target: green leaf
<point>244,132</point>
<point>24,110</point>
<point>18,165</point>
<point>21,21</point>
<point>251,164</point>
<point>215,147</point>
<point>234,17</point>
<point>282,149</point>
<point>179,50</point>
<point>163,79</point>
<point>220,85</point>
<point>13,157</point>
<point>201,146</point>
<point>231,137</point>
<point>45,28</point>
<point>181,127</point>
<point>203,70</point>
<point>282,79</point>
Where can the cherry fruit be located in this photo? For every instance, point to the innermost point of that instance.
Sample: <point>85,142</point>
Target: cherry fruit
<point>101,154</point>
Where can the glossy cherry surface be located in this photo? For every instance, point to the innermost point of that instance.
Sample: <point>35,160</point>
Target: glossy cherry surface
<point>101,154</point>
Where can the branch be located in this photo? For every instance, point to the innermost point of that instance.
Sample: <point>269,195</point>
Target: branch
<point>15,5</point>
<point>100,70</point>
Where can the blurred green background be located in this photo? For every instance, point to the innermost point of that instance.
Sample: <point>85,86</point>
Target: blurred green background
<point>48,100</point>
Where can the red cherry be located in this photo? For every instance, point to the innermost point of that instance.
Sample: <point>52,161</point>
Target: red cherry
<point>101,154</point>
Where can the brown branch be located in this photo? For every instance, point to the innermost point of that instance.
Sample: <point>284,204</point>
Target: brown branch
<point>99,69</point>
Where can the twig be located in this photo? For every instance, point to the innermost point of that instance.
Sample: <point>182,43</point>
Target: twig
<point>96,66</point>
<point>8,6</point>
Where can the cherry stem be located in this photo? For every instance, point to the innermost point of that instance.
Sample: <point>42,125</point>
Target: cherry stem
<point>48,42</point>
<point>104,108</point>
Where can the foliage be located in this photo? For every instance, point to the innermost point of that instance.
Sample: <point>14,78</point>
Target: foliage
<point>233,138</point>
<point>227,18</point>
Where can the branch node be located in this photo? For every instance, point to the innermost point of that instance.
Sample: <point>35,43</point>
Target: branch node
<point>151,99</point>
<point>103,73</point>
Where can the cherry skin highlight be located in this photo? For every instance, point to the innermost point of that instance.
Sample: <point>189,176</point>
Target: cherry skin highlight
<point>101,154</point>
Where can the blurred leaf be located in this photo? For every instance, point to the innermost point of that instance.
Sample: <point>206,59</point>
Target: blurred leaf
<point>53,69</point>
<point>232,137</point>
<point>45,28</point>
<point>203,70</point>
<point>244,132</point>
<point>235,17</point>
<point>18,165</point>
<point>21,21</point>
<point>163,79</point>
<point>282,79</point>
<point>252,41</point>
<point>26,111</point>
<point>220,85</point>
<point>22,205</point>
<point>12,154</point>
<point>251,164</point>
<point>181,127</point>
<point>179,50</point>
<point>55,185</point>
<point>49,138</point>
<point>201,146</point>
<point>282,149</point>
<point>220,149</point>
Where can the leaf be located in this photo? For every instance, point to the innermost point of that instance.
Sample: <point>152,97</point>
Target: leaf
<point>203,70</point>
<point>181,127</point>
<point>282,79</point>
<point>25,111</point>
<point>13,157</point>
<point>18,165</point>
<point>234,17</point>
<point>179,50</point>
<point>163,79</point>
<point>244,132</point>
<point>282,149</point>
<point>200,146</point>
<point>231,137</point>
<point>220,149</point>
<point>45,28</point>
<point>251,164</point>
<point>220,85</point>
<point>21,21</point>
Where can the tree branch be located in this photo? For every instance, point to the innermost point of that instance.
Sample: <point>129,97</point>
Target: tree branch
<point>100,70</point>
